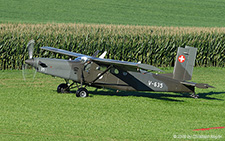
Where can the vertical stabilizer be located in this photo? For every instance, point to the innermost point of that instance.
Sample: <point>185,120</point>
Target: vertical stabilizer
<point>184,64</point>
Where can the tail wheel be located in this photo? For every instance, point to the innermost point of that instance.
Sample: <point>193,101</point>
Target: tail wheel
<point>82,92</point>
<point>194,95</point>
<point>63,88</point>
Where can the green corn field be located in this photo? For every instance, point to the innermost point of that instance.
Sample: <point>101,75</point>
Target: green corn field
<point>151,45</point>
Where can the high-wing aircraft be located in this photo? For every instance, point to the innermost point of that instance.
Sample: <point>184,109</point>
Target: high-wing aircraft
<point>120,75</point>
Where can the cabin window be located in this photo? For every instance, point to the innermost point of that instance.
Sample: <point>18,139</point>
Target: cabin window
<point>87,66</point>
<point>114,71</point>
<point>124,73</point>
<point>101,68</point>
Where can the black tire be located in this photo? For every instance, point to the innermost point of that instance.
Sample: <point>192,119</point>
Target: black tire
<point>63,88</point>
<point>82,92</point>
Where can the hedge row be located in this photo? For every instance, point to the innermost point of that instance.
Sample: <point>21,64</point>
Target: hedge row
<point>151,45</point>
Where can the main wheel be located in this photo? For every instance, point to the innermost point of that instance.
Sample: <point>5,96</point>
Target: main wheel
<point>63,88</point>
<point>82,92</point>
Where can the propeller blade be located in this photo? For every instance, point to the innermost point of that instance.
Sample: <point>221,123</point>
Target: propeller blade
<point>23,71</point>
<point>30,47</point>
<point>28,72</point>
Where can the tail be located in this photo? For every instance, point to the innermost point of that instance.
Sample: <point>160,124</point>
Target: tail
<point>183,69</point>
<point>184,64</point>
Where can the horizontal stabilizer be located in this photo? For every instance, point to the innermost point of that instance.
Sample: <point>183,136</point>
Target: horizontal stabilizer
<point>203,86</point>
<point>198,85</point>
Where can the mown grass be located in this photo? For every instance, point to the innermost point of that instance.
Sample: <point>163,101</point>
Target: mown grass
<point>202,13</point>
<point>34,110</point>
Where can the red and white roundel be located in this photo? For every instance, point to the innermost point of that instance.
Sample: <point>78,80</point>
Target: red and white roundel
<point>181,58</point>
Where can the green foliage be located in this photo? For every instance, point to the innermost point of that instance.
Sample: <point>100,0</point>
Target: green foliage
<point>151,45</point>
<point>33,110</point>
<point>201,13</point>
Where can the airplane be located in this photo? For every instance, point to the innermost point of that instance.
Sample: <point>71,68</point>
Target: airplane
<point>114,74</point>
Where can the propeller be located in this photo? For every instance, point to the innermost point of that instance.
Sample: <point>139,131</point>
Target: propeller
<point>29,72</point>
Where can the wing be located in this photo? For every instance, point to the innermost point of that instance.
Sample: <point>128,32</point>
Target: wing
<point>125,64</point>
<point>61,51</point>
<point>104,61</point>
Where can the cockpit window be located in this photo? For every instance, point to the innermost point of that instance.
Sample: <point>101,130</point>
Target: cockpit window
<point>87,66</point>
<point>82,59</point>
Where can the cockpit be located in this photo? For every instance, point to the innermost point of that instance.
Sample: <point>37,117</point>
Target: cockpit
<point>82,59</point>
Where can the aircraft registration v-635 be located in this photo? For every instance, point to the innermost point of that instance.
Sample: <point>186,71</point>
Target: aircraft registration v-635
<point>120,75</point>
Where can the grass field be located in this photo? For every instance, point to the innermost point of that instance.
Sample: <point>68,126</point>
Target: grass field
<point>33,110</point>
<point>201,13</point>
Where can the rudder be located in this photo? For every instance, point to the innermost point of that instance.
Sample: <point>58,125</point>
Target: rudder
<point>184,64</point>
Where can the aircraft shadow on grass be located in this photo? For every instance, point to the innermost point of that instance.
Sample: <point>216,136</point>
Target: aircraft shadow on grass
<point>160,96</point>
<point>205,95</point>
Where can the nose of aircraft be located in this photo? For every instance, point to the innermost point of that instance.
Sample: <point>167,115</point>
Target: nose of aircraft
<point>30,62</point>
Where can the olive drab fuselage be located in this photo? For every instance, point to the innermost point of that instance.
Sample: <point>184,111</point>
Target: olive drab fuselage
<point>120,75</point>
<point>115,77</point>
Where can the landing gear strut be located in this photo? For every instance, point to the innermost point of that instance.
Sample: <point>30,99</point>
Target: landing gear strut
<point>194,95</point>
<point>63,88</point>
<point>82,92</point>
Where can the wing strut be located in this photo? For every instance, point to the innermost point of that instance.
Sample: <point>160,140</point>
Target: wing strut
<point>101,74</point>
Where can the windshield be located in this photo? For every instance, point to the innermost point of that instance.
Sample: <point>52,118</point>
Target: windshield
<point>82,59</point>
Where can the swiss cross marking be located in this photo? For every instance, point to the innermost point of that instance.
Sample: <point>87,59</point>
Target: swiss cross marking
<point>181,58</point>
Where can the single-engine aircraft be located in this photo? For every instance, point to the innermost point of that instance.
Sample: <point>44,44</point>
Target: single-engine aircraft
<point>120,75</point>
